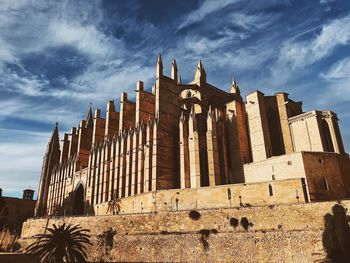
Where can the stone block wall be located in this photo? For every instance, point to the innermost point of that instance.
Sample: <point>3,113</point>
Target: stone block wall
<point>237,195</point>
<point>282,233</point>
<point>327,174</point>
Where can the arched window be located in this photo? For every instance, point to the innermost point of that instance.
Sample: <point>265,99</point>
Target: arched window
<point>325,184</point>
<point>270,190</point>
<point>275,132</point>
<point>78,204</point>
<point>328,143</point>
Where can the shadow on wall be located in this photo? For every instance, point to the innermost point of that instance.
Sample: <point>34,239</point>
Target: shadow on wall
<point>336,235</point>
<point>73,206</point>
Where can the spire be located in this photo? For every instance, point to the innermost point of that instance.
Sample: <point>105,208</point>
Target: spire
<point>234,87</point>
<point>54,141</point>
<point>174,74</point>
<point>89,118</point>
<point>51,159</point>
<point>200,76</point>
<point>159,68</point>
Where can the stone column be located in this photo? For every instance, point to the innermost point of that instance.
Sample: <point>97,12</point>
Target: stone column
<point>134,161</point>
<point>141,157</point>
<point>116,167</point>
<point>258,127</point>
<point>193,145</point>
<point>101,173</point>
<point>122,165</point>
<point>184,154</point>
<point>106,171</point>
<point>93,176</point>
<point>148,157</point>
<point>155,148</point>
<point>128,163</point>
<point>212,149</point>
<point>282,101</point>
<point>111,185</point>
<point>97,180</point>
<point>223,150</point>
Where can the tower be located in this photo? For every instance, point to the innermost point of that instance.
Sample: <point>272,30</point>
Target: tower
<point>51,159</point>
<point>28,194</point>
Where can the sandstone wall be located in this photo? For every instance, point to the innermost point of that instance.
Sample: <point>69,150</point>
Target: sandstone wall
<point>283,233</point>
<point>327,174</point>
<point>284,191</point>
<point>277,167</point>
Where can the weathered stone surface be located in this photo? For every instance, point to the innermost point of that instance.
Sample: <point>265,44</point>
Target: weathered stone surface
<point>191,136</point>
<point>281,233</point>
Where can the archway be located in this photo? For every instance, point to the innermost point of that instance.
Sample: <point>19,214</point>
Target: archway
<point>78,207</point>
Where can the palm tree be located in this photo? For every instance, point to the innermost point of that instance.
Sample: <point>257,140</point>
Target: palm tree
<point>65,243</point>
<point>114,205</point>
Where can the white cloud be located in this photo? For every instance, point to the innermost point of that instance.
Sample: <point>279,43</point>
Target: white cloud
<point>27,85</point>
<point>297,55</point>
<point>340,70</point>
<point>326,2</point>
<point>86,38</point>
<point>9,107</point>
<point>21,154</point>
<point>206,8</point>
<point>338,82</point>
<point>98,86</point>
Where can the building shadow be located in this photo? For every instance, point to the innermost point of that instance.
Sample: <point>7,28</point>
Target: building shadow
<point>336,235</point>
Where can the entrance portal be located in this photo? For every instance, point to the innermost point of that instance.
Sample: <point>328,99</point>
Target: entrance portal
<point>78,208</point>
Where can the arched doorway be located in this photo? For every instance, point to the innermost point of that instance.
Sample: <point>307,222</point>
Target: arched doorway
<point>78,207</point>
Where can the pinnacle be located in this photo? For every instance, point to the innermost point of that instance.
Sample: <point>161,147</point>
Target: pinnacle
<point>159,59</point>
<point>200,65</point>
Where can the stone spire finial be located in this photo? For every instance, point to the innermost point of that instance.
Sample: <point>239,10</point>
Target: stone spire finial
<point>174,72</point>
<point>159,68</point>
<point>200,76</point>
<point>89,118</point>
<point>54,137</point>
<point>234,87</point>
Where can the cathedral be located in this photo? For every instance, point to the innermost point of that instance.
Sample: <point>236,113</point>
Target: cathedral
<point>180,146</point>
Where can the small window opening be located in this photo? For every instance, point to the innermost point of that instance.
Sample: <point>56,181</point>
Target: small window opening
<point>270,190</point>
<point>273,177</point>
<point>325,184</point>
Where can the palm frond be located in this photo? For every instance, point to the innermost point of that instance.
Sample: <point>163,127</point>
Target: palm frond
<point>63,242</point>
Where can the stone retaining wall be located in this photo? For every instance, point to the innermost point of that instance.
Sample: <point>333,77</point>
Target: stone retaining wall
<point>283,233</point>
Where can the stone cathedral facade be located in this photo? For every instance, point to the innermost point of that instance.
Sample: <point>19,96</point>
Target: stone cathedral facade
<point>183,146</point>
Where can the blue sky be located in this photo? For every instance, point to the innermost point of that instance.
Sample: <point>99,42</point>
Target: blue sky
<point>58,56</point>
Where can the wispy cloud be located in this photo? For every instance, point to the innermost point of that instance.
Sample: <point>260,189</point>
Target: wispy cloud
<point>299,54</point>
<point>20,157</point>
<point>340,70</point>
<point>57,56</point>
<point>337,78</point>
<point>87,39</point>
<point>205,8</point>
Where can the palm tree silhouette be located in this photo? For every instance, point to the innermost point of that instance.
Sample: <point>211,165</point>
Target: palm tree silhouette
<point>65,243</point>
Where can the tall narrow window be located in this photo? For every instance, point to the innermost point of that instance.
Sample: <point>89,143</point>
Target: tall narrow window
<point>270,190</point>
<point>328,143</point>
<point>275,132</point>
<point>325,184</point>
